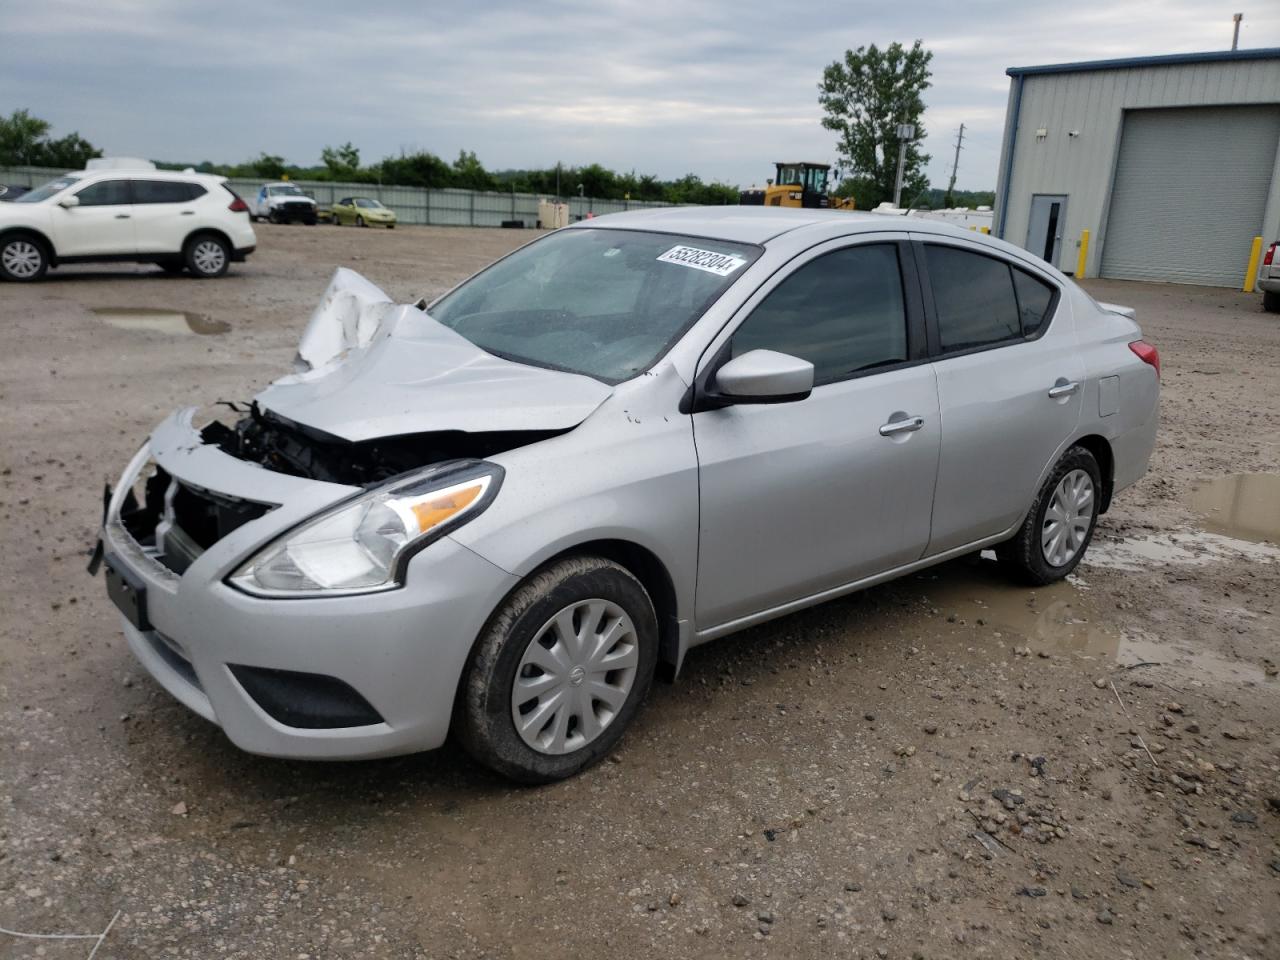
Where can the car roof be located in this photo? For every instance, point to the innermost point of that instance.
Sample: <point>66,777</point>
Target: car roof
<point>138,173</point>
<point>759,225</point>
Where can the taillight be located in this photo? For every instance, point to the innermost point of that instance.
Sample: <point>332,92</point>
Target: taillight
<point>1271,255</point>
<point>1146,353</point>
<point>238,206</point>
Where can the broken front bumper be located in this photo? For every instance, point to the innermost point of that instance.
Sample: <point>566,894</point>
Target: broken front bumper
<point>322,678</point>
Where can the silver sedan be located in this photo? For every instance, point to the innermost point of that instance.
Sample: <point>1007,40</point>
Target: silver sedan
<point>496,514</point>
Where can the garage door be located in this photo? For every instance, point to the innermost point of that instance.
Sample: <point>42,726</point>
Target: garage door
<point>1189,194</point>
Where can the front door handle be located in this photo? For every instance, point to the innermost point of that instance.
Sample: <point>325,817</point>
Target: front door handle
<point>122,216</point>
<point>1063,388</point>
<point>909,425</point>
<point>188,213</point>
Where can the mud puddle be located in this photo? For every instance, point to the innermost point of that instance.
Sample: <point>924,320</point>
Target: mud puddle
<point>1187,548</point>
<point>1059,620</point>
<point>1245,506</point>
<point>174,322</point>
<point>1053,618</point>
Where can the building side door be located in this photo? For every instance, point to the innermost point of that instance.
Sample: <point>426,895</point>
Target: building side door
<point>1045,229</point>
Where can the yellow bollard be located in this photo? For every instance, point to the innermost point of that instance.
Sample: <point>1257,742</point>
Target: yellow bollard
<point>986,230</point>
<point>1084,254</point>
<point>1252,272</point>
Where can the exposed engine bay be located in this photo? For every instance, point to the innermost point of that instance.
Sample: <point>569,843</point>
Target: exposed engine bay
<point>272,442</point>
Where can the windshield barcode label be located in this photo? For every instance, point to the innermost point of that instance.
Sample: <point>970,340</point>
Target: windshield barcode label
<point>721,264</point>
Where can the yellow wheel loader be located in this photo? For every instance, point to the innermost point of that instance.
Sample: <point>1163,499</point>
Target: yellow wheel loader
<point>797,185</point>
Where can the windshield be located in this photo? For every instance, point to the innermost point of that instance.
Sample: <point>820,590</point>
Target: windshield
<point>46,191</point>
<point>605,303</point>
<point>369,204</point>
<point>287,191</point>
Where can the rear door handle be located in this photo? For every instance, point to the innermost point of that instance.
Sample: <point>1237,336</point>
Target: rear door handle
<point>909,425</point>
<point>1061,389</point>
<point>188,213</point>
<point>122,216</point>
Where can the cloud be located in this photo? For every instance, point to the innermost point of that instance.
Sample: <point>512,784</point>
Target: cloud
<point>723,89</point>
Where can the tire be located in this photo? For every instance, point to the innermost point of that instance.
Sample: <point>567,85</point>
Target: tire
<point>391,226</point>
<point>23,258</point>
<point>1034,556</point>
<point>333,218</point>
<point>359,220</point>
<point>1271,301</point>
<point>527,628</point>
<point>206,256</point>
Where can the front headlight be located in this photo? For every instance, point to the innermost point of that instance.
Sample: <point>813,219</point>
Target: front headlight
<point>364,544</point>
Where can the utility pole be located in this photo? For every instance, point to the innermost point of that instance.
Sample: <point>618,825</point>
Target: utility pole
<point>906,131</point>
<point>1235,34</point>
<point>951,187</point>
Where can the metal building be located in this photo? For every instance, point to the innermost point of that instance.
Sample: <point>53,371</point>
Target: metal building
<point>1170,163</point>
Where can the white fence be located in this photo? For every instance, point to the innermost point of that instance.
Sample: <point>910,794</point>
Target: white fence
<point>457,208</point>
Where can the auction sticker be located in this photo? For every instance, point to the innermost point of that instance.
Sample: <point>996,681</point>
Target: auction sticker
<point>721,264</point>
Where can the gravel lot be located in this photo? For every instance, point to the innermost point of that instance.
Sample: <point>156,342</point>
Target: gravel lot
<point>938,767</point>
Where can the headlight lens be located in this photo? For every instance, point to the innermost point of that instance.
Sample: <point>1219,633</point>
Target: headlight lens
<point>363,545</point>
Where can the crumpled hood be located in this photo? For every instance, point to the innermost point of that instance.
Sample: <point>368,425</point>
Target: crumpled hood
<point>367,368</point>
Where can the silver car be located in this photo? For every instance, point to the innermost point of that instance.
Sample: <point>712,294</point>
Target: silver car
<point>496,514</point>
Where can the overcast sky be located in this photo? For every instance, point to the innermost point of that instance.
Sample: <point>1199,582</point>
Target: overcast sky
<point>719,88</point>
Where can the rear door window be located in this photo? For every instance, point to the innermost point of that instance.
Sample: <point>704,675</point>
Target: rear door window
<point>974,298</point>
<point>1035,298</point>
<point>165,191</point>
<point>844,312</point>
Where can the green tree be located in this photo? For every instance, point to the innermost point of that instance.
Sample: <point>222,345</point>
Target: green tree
<point>342,162</point>
<point>469,173</point>
<point>864,97</point>
<point>267,165</point>
<point>24,141</point>
<point>72,151</point>
<point>21,135</point>
<point>691,189</point>
<point>420,169</point>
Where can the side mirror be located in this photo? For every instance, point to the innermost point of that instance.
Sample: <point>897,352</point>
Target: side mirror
<point>69,202</point>
<point>763,376</point>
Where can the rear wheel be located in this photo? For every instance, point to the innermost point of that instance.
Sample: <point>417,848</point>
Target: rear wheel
<point>23,258</point>
<point>207,256</point>
<point>559,672</point>
<point>1271,301</point>
<point>1052,540</point>
<point>359,220</point>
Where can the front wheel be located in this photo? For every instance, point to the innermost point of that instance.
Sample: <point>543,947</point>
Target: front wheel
<point>1271,301</point>
<point>1059,527</point>
<point>207,256</point>
<point>559,672</point>
<point>359,221</point>
<point>23,259</point>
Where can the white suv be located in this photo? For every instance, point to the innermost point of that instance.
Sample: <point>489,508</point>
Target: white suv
<point>125,210</point>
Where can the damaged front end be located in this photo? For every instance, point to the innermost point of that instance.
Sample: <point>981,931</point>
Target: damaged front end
<point>378,392</point>
<point>276,444</point>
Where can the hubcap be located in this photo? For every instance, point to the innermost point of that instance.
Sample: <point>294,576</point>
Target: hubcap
<point>1067,521</point>
<point>209,256</point>
<point>22,258</point>
<point>575,676</point>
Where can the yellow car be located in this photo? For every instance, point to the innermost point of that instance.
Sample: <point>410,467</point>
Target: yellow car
<point>363,212</point>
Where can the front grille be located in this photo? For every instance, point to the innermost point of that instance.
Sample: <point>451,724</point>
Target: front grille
<point>194,520</point>
<point>176,522</point>
<point>297,206</point>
